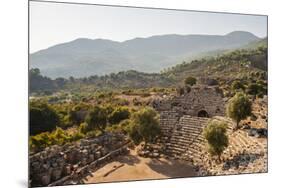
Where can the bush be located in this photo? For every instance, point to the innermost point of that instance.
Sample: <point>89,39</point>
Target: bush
<point>215,134</point>
<point>83,128</point>
<point>239,107</point>
<point>119,114</point>
<point>57,137</point>
<point>190,81</point>
<point>237,85</point>
<point>97,118</point>
<point>42,118</point>
<point>256,89</point>
<point>125,125</point>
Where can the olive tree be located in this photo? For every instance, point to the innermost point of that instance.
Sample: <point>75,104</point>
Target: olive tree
<point>215,134</point>
<point>239,107</point>
<point>145,125</point>
<point>97,118</point>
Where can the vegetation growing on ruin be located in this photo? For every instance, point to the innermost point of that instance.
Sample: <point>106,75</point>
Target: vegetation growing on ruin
<point>239,107</point>
<point>215,134</point>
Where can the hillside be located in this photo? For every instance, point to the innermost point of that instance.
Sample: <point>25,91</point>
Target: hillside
<point>85,57</point>
<point>226,66</point>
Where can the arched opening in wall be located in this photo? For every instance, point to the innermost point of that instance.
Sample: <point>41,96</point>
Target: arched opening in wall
<point>218,110</point>
<point>203,113</point>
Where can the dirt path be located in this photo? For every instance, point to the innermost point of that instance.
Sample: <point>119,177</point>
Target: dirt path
<point>133,167</point>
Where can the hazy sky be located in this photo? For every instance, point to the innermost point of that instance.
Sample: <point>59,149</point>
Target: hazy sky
<point>53,23</point>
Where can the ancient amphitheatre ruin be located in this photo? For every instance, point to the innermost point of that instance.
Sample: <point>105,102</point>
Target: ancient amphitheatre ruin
<point>180,152</point>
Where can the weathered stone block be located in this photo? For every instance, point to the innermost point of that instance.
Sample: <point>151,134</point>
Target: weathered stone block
<point>56,174</point>
<point>45,179</point>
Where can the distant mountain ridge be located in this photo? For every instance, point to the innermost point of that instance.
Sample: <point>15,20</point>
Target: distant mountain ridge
<point>84,57</point>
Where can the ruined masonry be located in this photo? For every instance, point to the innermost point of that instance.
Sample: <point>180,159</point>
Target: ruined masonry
<point>182,118</point>
<point>64,165</point>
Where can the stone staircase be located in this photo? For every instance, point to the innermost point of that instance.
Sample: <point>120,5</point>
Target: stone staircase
<point>186,136</point>
<point>184,140</point>
<point>168,121</point>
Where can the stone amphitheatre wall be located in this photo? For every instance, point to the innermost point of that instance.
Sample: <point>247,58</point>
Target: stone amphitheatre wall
<point>59,165</point>
<point>199,101</point>
<point>181,134</point>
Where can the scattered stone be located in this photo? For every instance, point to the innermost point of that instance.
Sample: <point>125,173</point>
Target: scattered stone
<point>155,155</point>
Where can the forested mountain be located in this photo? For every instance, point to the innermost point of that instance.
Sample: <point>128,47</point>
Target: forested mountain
<point>229,65</point>
<point>86,57</point>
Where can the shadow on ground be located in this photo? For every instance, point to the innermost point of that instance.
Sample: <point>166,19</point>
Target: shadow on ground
<point>128,159</point>
<point>172,168</point>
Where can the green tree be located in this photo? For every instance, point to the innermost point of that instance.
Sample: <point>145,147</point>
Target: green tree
<point>43,118</point>
<point>97,118</point>
<point>215,134</point>
<point>190,81</point>
<point>239,107</point>
<point>145,125</point>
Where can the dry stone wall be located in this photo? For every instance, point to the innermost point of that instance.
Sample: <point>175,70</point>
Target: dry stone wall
<point>57,165</point>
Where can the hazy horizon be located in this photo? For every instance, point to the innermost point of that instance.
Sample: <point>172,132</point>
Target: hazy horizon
<point>55,23</point>
<point>136,38</point>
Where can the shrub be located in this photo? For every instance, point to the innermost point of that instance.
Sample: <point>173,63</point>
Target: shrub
<point>56,137</point>
<point>125,125</point>
<point>59,137</point>
<point>239,107</point>
<point>119,114</point>
<point>83,128</point>
<point>190,81</point>
<point>97,118</point>
<point>237,85</point>
<point>215,134</point>
<point>255,89</point>
<point>42,118</point>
